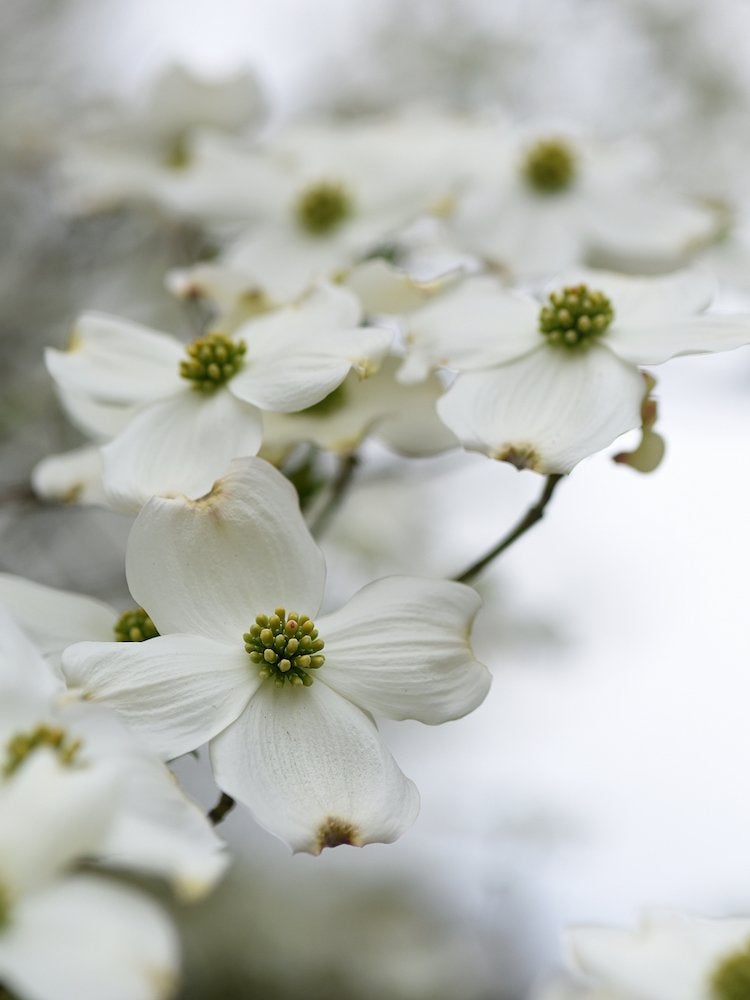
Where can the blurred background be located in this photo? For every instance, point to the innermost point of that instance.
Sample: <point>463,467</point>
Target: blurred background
<point>607,770</point>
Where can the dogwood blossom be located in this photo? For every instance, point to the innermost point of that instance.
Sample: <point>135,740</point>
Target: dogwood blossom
<point>154,827</point>
<point>671,956</point>
<point>189,411</point>
<point>544,385</point>
<point>125,155</point>
<point>65,936</point>
<point>232,582</point>
<point>547,200</point>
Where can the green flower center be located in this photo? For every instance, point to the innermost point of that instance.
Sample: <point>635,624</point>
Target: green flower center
<point>285,646</point>
<point>134,626</point>
<point>212,360</point>
<point>177,152</point>
<point>574,316</point>
<point>322,208</point>
<point>21,745</point>
<point>731,978</point>
<point>549,166</point>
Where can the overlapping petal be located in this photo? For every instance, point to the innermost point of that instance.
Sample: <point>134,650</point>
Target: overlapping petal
<point>176,691</point>
<point>547,410</point>
<point>82,938</point>
<point>400,648</point>
<point>179,445</point>
<point>297,355</point>
<point>313,770</point>
<point>653,343</point>
<point>475,325</point>
<point>54,618</point>
<point>116,361</point>
<point>208,567</point>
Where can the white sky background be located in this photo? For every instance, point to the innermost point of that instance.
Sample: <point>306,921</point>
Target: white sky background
<point>610,773</point>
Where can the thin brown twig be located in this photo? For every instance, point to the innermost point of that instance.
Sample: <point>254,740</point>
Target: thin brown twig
<point>530,518</point>
<point>225,805</point>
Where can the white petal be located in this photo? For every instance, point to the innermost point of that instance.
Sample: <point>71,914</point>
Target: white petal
<point>476,325</point>
<point>210,566</point>
<point>292,381</point>
<point>645,301</point>
<point>22,667</point>
<point>53,815</point>
<point>670,957</point>
<point>73,477</point>
<point>97,420</point>
<point>403,416</point>
<point>85,939</point>
<point>114,360</point>
<point>401,648</point>
<point>176,691</point>
<point>180,445</point>
<point>55,618</point>
<point>646,231</point>
<point>547,410</point>
<point>298,355</point>
<point>651,343</point>
<point>313,770</point>
<point>159,830</point>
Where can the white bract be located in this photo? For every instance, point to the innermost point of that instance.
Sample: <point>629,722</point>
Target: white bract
<point>544,385</point>
<point>182,417</point>
<point>153,827</point>
<point>233,582</point>
<point>669,957</point>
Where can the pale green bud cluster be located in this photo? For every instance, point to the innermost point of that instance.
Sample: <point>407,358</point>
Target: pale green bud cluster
<point>322,207</point>
<point>21,745</point>
<point>575,316</point>
<point>134,626</point>
<point>212,361</point>
<point>731,978</point>
<point>285,646</point>
<point>549,166</point>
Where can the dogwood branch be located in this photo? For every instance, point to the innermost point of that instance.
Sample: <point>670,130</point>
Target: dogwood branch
<point>339,487</point>
<point>530,518</point>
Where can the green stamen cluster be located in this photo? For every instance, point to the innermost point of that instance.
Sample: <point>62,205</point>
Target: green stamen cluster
<point>212,361</point>
<point>549,166</point>
<point>134,626</point>
<point>575,316</point>
<point>21,745</point>
<point>731,978</point>
<point>322,208</point>
<point>285,647</point>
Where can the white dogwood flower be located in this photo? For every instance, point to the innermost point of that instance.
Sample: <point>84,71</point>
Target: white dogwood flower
<point>154,826</point>
<point>669,957</point>
<point>125,155</point>
<point>234,582</point>
<point>189,411</point>
<point>65,936</point>
<point>550,200</point>
<point>543,385</point>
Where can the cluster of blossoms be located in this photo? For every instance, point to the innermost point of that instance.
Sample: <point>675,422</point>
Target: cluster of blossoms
<point>432,280</point>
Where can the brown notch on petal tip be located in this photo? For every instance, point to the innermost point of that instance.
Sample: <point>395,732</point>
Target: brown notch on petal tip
<point>520,456</point>
<point>334,832</point>
<point>211,498</point>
